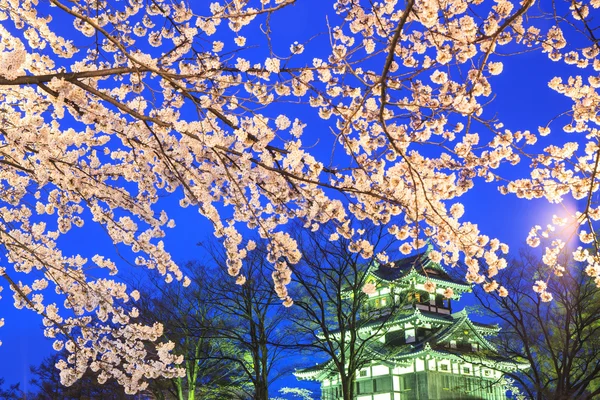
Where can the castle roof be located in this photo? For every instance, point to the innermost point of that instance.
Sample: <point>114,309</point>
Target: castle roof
<point>418,266</point>
<point>436,344</point>
<point>403,316</point>
<point>484,358</point>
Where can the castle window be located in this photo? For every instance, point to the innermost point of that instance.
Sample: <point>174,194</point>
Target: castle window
<point>415,296</point>
<point>362,373</point>
<point>444,367</point>
<point>395,337</point>
<point>466,370</point>
<point>382,384</point>
<point>364,387</point>
<point>421,333</point>
<point>446,382</point>
<point>405,383</point>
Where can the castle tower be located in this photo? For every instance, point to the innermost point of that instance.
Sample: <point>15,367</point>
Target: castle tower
<point>424,351</point>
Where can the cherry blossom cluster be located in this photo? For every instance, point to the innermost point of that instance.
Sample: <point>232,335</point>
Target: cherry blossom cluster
<point>149,98</point>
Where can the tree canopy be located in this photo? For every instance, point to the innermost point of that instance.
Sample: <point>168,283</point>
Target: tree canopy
<point>107,106</point>
<point>557,340</point>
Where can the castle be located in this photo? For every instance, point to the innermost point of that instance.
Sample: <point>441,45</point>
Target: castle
<point>424,350</point>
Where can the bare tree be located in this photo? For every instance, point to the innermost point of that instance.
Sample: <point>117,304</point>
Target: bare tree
<point>329,284</point>
<point>13,392</point>
<point>257,324</point>
<point>559,340</point>
<point>193,321</point>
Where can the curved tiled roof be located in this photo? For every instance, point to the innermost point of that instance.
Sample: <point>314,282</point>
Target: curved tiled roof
<point>407,315</point>
<point>493,361</point>
<point>314,372</point>
<point>419,264</point>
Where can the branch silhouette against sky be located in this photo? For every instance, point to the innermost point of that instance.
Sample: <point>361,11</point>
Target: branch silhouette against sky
<point>116,115</point>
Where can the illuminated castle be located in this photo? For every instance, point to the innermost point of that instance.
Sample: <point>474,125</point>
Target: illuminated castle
<point>425,351</point>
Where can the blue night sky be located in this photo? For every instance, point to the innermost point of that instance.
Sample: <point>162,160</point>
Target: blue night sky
<point>523,101</point>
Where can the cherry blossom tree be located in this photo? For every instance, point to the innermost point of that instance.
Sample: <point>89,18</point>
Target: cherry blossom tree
<point>46,381</point>
<point>108,105</point>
